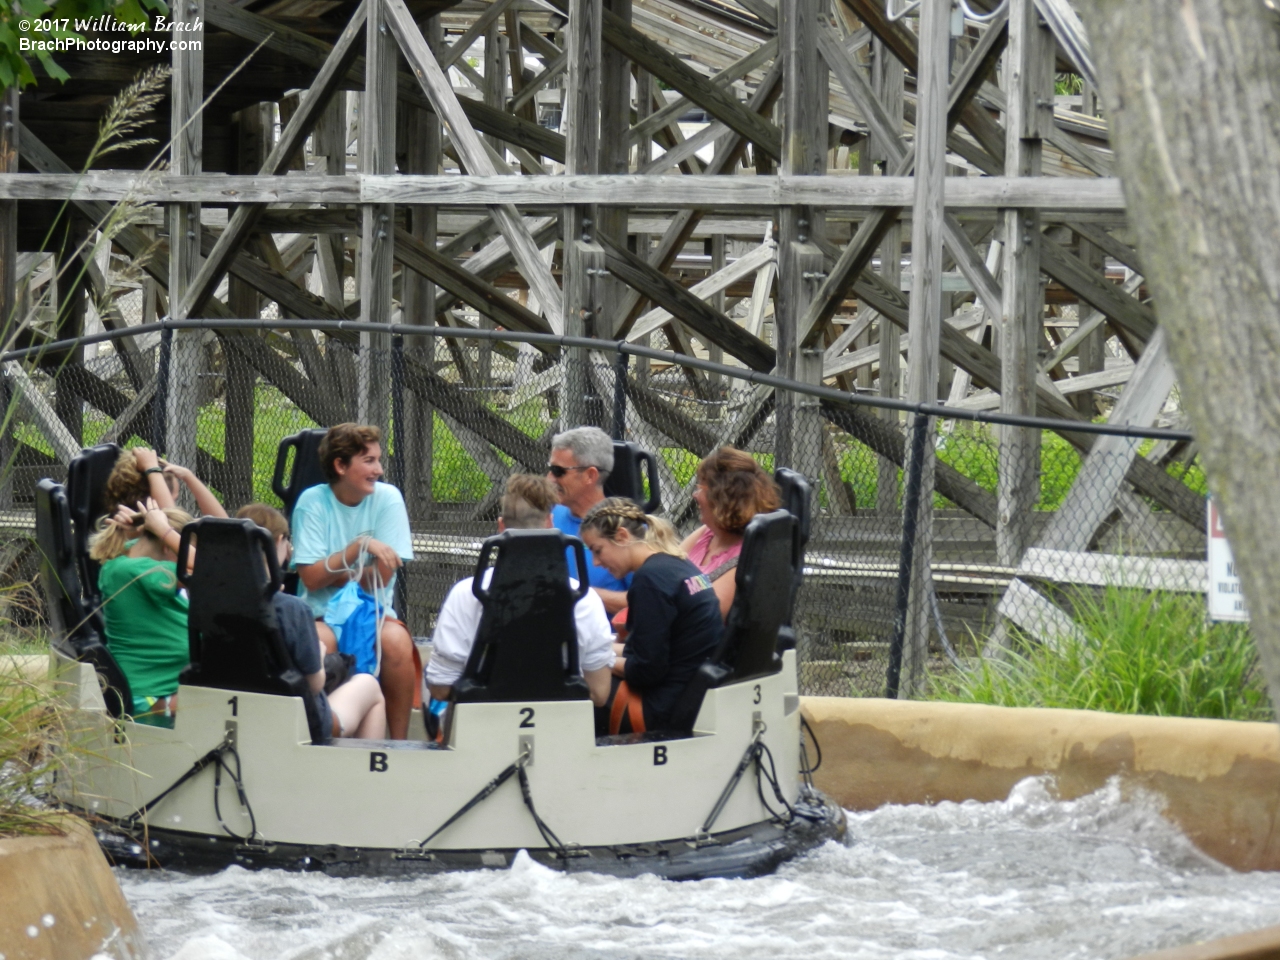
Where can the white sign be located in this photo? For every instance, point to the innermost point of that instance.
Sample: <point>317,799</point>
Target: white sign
<point>1226,596</point>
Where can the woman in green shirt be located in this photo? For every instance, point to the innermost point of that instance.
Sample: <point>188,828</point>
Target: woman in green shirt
<point>144,607</point>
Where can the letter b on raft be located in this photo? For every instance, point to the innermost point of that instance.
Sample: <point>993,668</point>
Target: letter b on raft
<point>659,756</point>
<point>377,762</point>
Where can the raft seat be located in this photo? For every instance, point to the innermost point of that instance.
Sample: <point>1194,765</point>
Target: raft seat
<point>761,608</point>
<point>796,497</point>
<point>87,476</point>
<point>626,479</point>
<point>76,628</point>
<point>526,648</point>
<point>306,472</point>
<point>235,637</point>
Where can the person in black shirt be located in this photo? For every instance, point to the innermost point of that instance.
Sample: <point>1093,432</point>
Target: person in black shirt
<point>673,616</point>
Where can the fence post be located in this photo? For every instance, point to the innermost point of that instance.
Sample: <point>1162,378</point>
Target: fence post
<point>399,426</point>
<point>160,402</point>
<point>910,514</point>
<point>620,396</point>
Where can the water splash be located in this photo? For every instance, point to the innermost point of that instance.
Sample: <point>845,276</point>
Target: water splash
<point>1101,876</point>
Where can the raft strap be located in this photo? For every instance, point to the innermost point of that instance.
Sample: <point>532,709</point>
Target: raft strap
<point>484,794</point>
<point>755,751</point>
<point>213,758</point>
<point>518,767</point>
<point>626,700</point>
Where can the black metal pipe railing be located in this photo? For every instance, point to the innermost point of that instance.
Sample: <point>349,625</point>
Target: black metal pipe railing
<point>621,347</point>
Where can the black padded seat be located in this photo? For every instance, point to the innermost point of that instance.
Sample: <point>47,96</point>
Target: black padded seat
<point>761,607</point>
<point>87,476</point>
<point>631,465</point>
<point>234,634</point>
<point>526,647</point>
<point>307,470</point>
<point>75,629</point>
<point>796,499</point>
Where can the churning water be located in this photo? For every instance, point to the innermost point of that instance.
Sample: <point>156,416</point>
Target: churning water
<point>1101,876</point>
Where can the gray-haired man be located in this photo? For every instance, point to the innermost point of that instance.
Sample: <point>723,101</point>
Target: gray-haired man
<point>581,459</point>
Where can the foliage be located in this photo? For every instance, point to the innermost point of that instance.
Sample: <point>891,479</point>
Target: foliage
<point>15,70</point>
<point>1138,652</point>
<point>1068,84</point>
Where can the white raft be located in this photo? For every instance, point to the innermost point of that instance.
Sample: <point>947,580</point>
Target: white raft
<point>239,780</point>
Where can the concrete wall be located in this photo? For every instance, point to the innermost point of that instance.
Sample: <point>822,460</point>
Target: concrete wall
<point>60,901</point>
<point>1220,778</point>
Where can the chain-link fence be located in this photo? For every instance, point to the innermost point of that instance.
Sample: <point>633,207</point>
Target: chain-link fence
<point>1013,519</point>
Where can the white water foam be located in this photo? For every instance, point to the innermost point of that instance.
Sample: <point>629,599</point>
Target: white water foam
<point>1102,876</point>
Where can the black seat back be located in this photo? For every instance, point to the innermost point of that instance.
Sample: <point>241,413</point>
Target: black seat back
<point>234,634</point>
<point>761,605</point>
<point>526,647</point>
<point>796,500</point>
<point>306,471</point>
<point>631,466</point>
<point>76,632</point>
<point>87,476</point>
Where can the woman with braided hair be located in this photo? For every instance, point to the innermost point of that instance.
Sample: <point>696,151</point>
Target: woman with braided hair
<point>673,615</point>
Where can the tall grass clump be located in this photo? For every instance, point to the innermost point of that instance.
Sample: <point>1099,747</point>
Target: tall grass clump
<point>30,730</point>
<point>1136,652</point>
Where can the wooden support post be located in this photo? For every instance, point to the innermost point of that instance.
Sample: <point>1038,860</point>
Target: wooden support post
<point>800,262</point>
<point>644,153</point>
<point>615,120</point>
<point>715,353</point>
<point>584,259</point>
<point>181,385</point>
<point>70,283</point>
<point>422,155</point>
<point>888,80</point>
<point>254,127</point>
<point>925,326</point>
<point>377,227</point>
<point>495,75</point>
<point>1091,353</point>
<point>1029,79</point>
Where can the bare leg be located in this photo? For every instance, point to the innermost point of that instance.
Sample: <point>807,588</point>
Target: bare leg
<point>398,677</point>
<point>359,707</point>
<point>327,639</point>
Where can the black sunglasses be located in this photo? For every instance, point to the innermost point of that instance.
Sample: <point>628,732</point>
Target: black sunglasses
<point>558,471</point>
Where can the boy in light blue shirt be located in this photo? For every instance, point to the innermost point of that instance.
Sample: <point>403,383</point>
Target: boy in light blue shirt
<point>356,528</point>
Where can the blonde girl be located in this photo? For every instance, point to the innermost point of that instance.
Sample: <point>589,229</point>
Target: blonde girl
<point>673,615</point>
<point>144,608</point>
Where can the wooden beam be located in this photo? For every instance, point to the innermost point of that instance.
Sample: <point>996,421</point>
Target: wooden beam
<point>525,450</point>
<point>292,138</point>
<point>740,269</point>
<point>1061,195</point>
<point>445,103</point>
<point>1130,313</point>
<point>180,352</point>
<point>718,102</point>
<point>297,45</point>
<point>467,287</point>
<point>858,253</point>
<point>888,440</point>
<point>686,307</point>
<point>489,15</point>
<point>1029,83</point>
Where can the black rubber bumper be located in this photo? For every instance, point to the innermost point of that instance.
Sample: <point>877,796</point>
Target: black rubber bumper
<point>750,851</point>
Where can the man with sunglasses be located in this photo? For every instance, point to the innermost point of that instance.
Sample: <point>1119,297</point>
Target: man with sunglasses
<point>581,459</point>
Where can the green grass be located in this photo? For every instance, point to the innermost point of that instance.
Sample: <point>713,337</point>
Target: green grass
<point>1140,652</point>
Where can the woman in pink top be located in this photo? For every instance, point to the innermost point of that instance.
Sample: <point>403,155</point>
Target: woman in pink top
<point>732,488</point>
